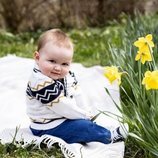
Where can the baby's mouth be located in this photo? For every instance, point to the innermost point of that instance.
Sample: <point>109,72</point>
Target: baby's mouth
<point>55,73</point>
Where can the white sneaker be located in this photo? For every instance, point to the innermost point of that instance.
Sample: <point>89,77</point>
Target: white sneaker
<point>120,133</point>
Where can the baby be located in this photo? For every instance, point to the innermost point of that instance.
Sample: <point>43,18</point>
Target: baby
<point>55,104</point>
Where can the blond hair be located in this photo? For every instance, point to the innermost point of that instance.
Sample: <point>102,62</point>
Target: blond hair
<point>56,37</point>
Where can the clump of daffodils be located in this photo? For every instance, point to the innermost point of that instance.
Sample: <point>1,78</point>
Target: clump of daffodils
<point>144,54</point>
<point>145,45</point>
<point>139,95</point>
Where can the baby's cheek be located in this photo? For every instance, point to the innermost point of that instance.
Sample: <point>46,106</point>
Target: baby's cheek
<point>65,72</point>
<point>46,69</point>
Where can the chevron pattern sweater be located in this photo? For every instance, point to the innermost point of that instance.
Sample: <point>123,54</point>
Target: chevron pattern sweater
<point>50,102</point>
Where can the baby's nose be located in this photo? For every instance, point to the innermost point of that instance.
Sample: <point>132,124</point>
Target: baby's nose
<point>57,67</point>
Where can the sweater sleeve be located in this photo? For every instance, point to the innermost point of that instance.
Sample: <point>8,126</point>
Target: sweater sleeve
<point>67,107</point>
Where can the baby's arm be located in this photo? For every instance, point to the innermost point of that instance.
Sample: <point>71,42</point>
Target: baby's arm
<point>74,90</point>
<point>68,108</point>
<point>51,95</point>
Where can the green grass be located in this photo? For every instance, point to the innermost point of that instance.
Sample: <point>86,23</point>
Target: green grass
<point>91,44</point>
<point>12,151</point>
<point>103,46</point>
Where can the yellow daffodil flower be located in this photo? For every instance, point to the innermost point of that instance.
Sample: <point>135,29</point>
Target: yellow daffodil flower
<point>143,43</point>
<point>143,56</point>
<point>151,80</point>
<point>112,74</point>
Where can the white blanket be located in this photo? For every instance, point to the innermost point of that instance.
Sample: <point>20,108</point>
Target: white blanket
<point>14,74</point>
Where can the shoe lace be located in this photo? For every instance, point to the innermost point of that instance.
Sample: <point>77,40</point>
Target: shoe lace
<point>118,137</point>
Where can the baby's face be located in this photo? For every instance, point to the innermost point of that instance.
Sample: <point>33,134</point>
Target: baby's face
<point>54,61</point>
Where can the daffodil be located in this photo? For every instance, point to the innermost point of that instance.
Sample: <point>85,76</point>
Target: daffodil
<point>151,80</point>
<point>112,74</point>
<point>143,56</point>
<point>143,43</point>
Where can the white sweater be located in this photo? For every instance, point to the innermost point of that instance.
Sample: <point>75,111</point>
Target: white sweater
<point>50,102</point>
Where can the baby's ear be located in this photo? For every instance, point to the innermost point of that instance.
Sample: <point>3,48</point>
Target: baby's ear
<point>36,56</point>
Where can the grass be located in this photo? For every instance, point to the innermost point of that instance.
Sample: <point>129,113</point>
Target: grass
<point>12,151</point>
<point>93,46</point>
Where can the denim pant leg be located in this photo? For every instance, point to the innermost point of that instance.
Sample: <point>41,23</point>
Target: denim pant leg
<point>78,131</point>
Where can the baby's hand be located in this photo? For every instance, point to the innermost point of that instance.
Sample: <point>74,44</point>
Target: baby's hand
<point>89,115</point>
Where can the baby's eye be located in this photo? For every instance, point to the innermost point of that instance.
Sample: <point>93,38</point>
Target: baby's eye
<point>65,64</point>
<point>52,61</point>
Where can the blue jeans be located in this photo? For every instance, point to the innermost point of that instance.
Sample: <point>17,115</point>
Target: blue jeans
<point>78,131</point>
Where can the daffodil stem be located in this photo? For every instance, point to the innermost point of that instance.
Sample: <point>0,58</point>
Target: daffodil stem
<point>153,97</point>
<point>140,78</point>
<point>151,52</point>
<point>156,98</point>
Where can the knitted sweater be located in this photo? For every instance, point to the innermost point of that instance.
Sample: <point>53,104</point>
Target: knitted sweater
<point>50,102</point>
